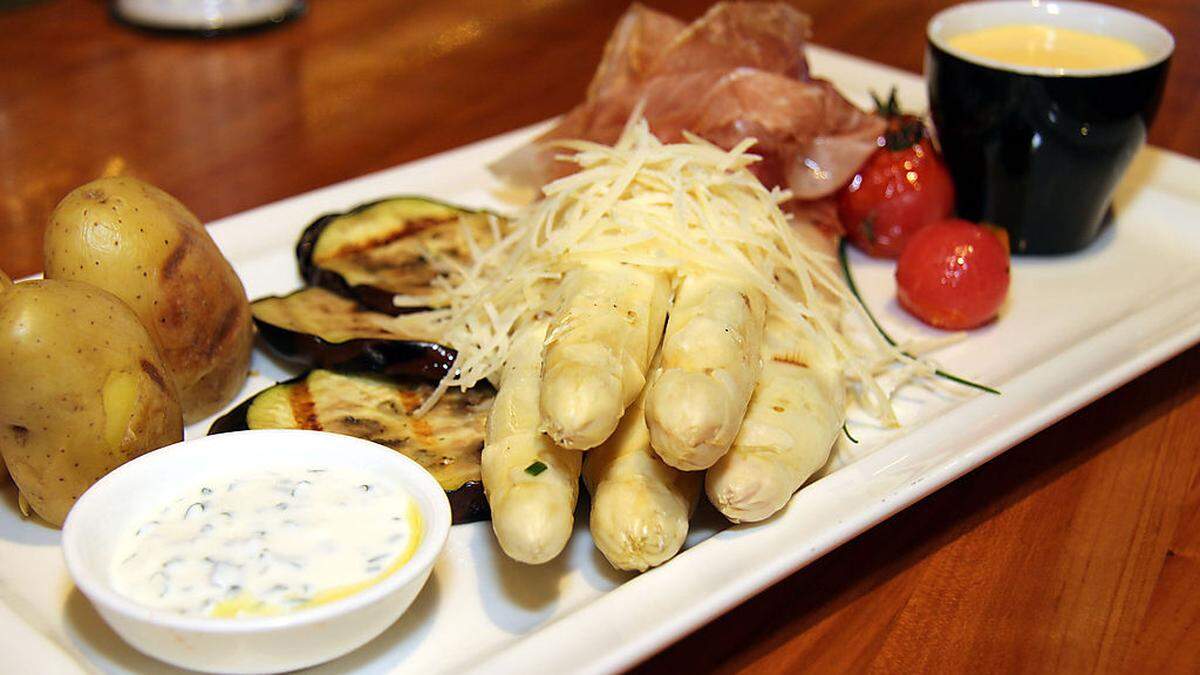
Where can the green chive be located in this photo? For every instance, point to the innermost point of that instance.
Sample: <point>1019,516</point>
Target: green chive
<point>536,468</point>
<point>844,258</point>
<point>847,432</point>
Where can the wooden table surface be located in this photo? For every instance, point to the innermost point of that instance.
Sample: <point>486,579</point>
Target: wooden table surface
<point>1078,550</point>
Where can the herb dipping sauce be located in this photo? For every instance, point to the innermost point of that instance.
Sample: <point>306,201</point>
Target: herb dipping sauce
<point>268,542</point>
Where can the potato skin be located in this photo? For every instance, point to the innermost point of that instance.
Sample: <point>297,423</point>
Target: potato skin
<point>82,391</point>
<point>141,244</point>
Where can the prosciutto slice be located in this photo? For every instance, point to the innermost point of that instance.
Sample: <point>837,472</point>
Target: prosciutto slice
<point>739,71</point>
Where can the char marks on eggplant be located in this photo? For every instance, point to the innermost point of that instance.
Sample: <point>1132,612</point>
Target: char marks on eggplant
<point>321,329</point>
<point>446,441</point>
<point>394,246</point>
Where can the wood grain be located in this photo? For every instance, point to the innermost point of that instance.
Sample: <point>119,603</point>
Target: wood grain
<point>1077,551</point>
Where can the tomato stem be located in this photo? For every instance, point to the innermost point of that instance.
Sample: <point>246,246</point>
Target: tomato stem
<point>844,258</point>
<point>903,131</point>
<point>888,108</point>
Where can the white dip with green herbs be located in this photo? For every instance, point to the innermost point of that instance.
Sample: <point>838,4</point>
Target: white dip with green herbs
<point>267,542</point>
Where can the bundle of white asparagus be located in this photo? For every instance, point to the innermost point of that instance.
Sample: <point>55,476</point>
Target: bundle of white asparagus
<point>655,323</point>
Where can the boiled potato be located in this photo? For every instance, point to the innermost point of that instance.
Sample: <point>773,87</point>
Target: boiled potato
<point>82,390</point>
<point>142,245</point>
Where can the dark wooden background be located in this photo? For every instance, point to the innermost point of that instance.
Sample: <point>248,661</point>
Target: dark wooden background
<point>1077,551</point>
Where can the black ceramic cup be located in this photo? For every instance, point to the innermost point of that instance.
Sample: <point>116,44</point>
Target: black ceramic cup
<point>1039,151</point>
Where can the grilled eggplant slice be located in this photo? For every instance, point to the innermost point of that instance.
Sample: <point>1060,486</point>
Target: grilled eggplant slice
<point>390,247</point>
<point>447,440</point>
<point>322,329</point>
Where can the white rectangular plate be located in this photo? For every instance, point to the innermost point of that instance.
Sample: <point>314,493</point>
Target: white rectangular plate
<point>1075,328</point>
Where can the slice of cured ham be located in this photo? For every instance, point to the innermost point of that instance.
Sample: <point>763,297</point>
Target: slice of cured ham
<point>739,71</point>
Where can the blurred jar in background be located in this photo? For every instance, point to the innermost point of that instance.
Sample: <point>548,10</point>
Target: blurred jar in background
<point>206,16</point>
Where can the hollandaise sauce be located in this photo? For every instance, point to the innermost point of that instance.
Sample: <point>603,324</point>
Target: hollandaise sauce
<point>268,542</point>
<point>1039,46</point>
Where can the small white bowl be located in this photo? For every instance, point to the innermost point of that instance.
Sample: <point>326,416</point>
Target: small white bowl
<point>260,644</point>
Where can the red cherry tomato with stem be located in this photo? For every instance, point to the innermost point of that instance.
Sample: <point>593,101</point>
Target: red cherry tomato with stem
<point>902,187</point>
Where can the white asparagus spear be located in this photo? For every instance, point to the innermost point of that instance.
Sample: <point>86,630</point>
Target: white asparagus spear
<point>711,358</point>
<point>790,426</point>
<point>640,506</point>
<point>605,329</point>
<point>531,484</point>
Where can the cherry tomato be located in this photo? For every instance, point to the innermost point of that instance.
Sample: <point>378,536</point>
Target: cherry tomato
<point>954,274</point>
<point>902,187</point>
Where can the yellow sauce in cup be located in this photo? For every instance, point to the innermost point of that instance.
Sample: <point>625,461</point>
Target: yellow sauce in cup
<point>1039,46</point>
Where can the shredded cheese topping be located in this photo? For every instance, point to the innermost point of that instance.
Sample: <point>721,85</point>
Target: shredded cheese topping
<point>683,208</point>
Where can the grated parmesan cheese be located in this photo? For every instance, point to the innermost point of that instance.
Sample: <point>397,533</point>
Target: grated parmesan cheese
<point>684,208</point>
